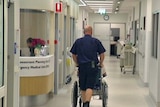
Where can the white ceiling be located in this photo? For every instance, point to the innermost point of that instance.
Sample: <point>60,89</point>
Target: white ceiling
<point>110,5</point>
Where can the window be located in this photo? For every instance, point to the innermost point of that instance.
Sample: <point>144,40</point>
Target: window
<point>155,34</point>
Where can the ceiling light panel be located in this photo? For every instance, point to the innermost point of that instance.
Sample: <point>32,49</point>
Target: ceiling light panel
<point>99,2</point>
<point>83,3</point>
<point>100,6</point>
<point>118,2</point>
<point>96,9</point>
<point>95,5</point>
<point>108,11</point>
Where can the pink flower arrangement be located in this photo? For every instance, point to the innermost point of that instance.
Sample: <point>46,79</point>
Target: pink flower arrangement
<point>38,43</point>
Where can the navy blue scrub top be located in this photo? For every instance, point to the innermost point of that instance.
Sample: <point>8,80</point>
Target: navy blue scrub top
<point>87,49</point>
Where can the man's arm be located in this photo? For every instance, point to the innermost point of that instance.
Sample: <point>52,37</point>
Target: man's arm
<point>75,59</point>
<point>101,59</point>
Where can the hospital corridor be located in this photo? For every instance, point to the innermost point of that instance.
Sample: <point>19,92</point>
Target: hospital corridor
<point>52,53</point>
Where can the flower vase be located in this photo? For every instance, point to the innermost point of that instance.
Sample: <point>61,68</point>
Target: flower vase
<point>37,51</point>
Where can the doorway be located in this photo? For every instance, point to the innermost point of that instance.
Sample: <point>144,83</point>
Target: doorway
<point>102,32</point>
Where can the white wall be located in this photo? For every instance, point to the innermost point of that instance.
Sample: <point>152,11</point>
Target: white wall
<point>114,18</point>
<point>149,66</point>
<point>79,25</point>
<point>143,8</point>
<point>137,11</point>
<point>154,74</point>
<point>155,83</point>
<point>155,4</point>
<point>116,21</point>
<point>129,22</point>
<point>92,18</point>
<point>150,74</point>
<point>102,32</point>
<point>143,54</point>
<point>37,4</point>
<point>148,13</point>
<point>145,43</point>
<point>141,43</point>
<point>50,5</point>
<point>132,17</point>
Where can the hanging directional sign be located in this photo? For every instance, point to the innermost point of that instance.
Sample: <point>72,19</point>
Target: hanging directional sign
<point>102,11</point>
<point>58,7</point>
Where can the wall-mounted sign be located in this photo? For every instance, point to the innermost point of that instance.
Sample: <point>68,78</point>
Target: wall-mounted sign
<point>36,64</point>
<point>58,7</point>
<point>102,11</point>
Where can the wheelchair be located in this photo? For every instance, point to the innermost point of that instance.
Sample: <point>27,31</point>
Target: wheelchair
<point>100,89</point>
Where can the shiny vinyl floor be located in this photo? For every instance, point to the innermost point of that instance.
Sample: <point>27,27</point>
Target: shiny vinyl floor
<point>125,90</point>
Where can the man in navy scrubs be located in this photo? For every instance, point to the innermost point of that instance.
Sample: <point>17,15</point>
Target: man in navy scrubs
<point>85,53</point>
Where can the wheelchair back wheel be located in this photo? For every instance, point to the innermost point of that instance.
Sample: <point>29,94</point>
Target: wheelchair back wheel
<point>80,102</point>
<point>104,94</point>
<point>75,94</point>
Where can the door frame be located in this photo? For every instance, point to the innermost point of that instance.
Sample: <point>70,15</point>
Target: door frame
<point>3,89</point>
<point>13,54</point>
<point>110,27</point>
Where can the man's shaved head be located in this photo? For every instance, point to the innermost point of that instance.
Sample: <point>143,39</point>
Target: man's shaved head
<point>88,30</point>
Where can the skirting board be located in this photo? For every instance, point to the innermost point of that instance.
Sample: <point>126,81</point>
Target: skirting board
<point>144,84</point>
<point>153,100</point>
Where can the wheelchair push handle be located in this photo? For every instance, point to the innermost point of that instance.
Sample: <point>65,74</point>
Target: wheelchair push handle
<point>100,67</point>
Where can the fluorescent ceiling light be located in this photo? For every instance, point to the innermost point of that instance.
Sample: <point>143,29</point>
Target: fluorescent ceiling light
<point>118,2</point>
<point>107,12</point>
<point>99,1</point>
<point>98,8</point>
<point>43,10</point>
<point>83,3</point>
<point>104,8</point>
<point>100,4</point>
